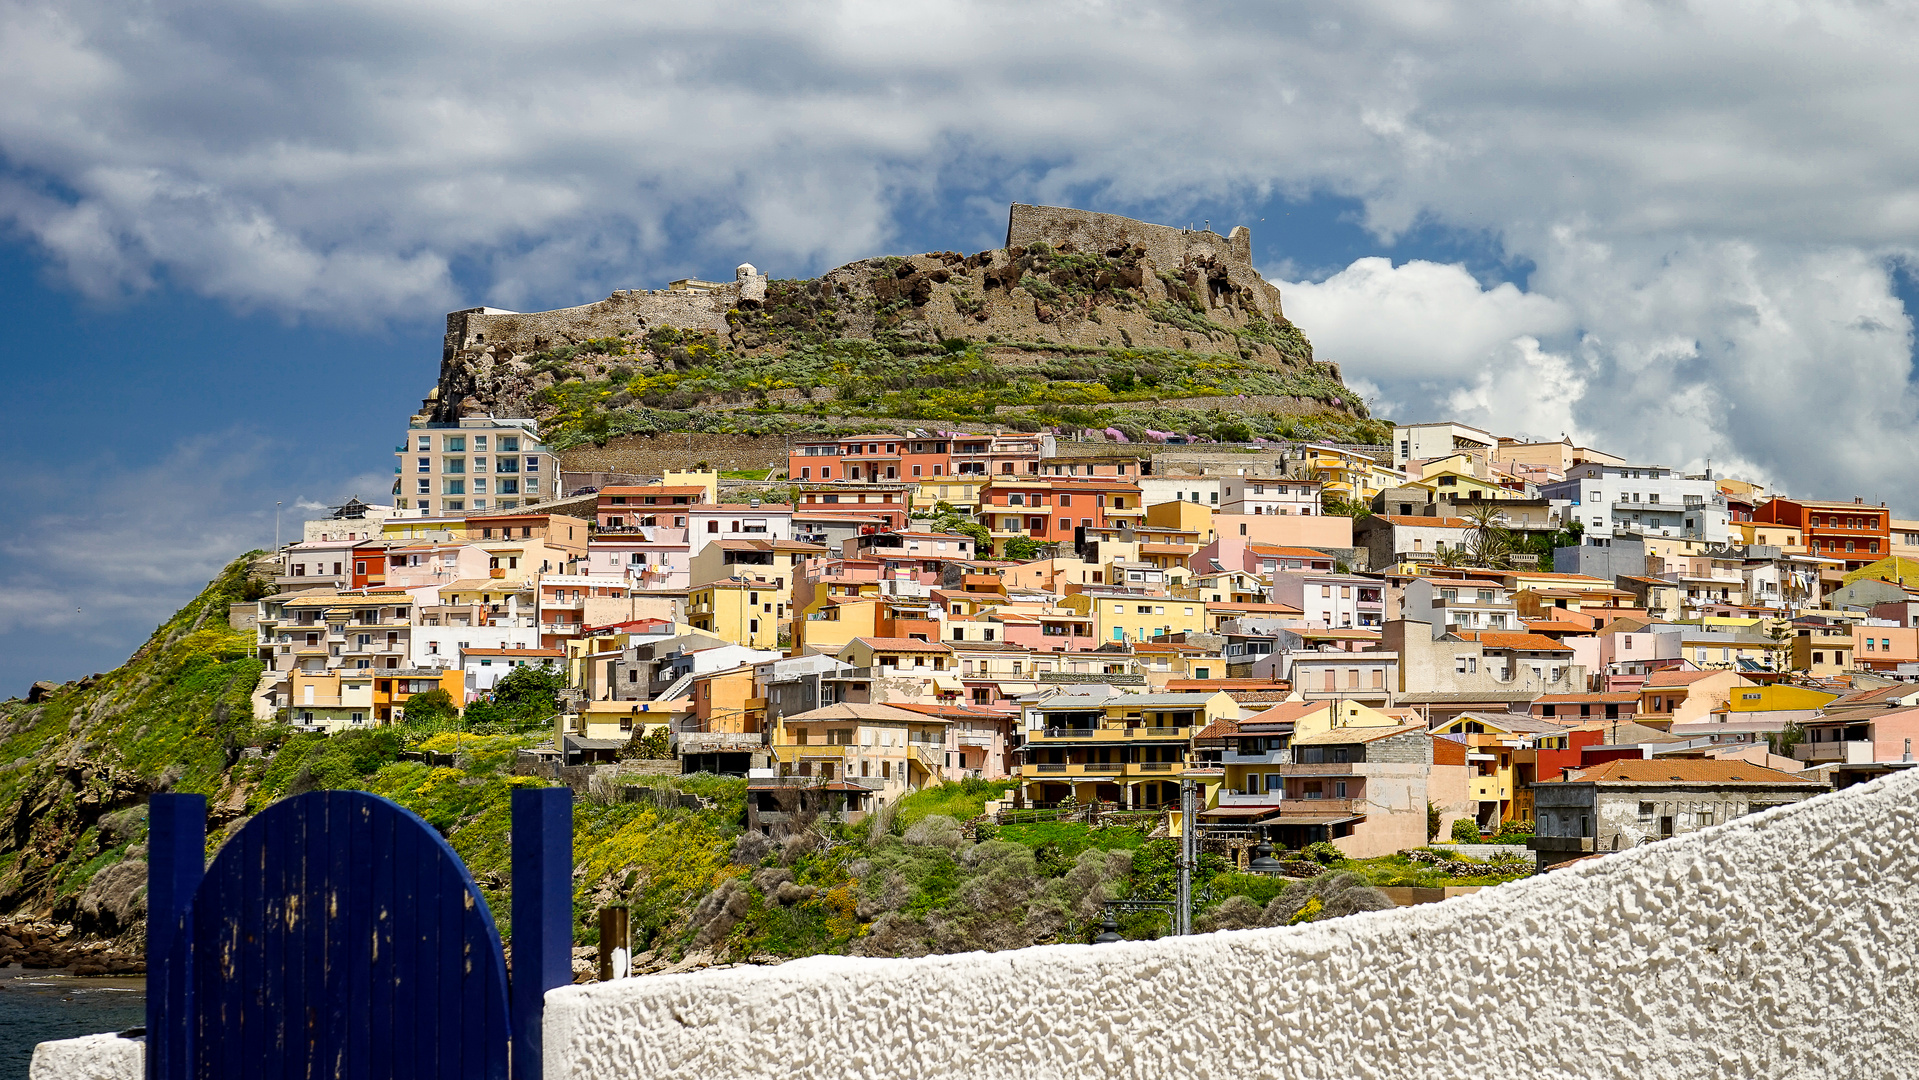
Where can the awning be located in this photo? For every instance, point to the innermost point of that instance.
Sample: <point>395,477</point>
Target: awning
<point>949,684</point>
<point>1238,812</point>
<point>1301,819</point>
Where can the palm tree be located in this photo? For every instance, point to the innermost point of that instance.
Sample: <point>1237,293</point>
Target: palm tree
<point>1491,545</point>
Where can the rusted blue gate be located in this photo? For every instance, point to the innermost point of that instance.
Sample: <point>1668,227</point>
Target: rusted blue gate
<point>338,935</point>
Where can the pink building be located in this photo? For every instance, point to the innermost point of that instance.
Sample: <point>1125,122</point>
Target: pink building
<point>1048,629</point>
<point>649,557</point>
<point>433,562</point>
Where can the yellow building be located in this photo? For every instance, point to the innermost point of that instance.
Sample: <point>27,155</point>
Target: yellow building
<point>959,492</point>
<point>1768,534</point>
<point>1133,617</point>
<point>832,621</point>
<point>332,700</point>
<point>1181,517</point>
<point>737,610</point>
<point>620,721</point>
<point>1128,750</point>
<point>1492,744</point>
<point>889,751</point>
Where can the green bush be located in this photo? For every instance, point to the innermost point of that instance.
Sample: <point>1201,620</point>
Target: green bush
<point>1465,831</point>
<point>1324,853</point>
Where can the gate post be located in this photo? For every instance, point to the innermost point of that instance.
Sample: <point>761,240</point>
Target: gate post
<point>176,862</point>
<point>542,914</point>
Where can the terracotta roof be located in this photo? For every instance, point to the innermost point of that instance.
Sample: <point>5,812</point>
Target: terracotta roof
<point>856,711</point>
<point>1493,639</point>
<point>1684,771</point>
<point>1428,522</point>
<point>1677,678</point>
<point>1341,735</point>
<point>1218,729</point>
<point>1289,552</point>
<point>1551,626</point>
<point>1287,712</point>
<point>900,644</point>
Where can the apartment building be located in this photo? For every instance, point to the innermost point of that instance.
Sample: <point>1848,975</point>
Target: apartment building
<point>1644,500</point>
<point>473,464</point>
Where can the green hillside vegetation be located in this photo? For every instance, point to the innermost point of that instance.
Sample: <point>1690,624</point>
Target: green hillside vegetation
<point>804,379</point>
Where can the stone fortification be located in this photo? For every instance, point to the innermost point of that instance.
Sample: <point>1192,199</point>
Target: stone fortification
<point>1069,283</point>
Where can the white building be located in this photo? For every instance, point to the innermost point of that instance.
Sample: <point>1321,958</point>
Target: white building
<point>485,668</point>
<point>1198,490</point>
<point>1331,600</point>
<point>1642,500</point>
<point>1424,442</point>
<point>707,522</point>
<point>1282,496</point>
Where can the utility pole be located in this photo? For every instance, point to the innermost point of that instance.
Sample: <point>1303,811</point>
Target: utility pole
<point>276,525</point>
<point>1188,855</point>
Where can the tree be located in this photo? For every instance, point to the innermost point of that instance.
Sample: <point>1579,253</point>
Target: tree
<point>527,693</point>
<point>1785,739</point>
<point>432,707</point>
<point>1487,541</point>
<point>1333,504</point>
<point>1432,821</point>
<point>1021,548</point>
<point>1779,636</point>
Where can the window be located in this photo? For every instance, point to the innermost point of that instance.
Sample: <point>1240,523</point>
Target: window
<point>453,444</point>
<point>453,465</point>
<point>425,465</point>
<point>532,464</point>
<point>453,487</point>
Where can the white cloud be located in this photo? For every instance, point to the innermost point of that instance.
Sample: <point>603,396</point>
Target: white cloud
<point>1707,191</point>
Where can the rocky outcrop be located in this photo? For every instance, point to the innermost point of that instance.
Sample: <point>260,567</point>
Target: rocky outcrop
<point>1067,283</point>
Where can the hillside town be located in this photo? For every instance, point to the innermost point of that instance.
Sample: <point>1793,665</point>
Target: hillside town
<point>1456,635</point>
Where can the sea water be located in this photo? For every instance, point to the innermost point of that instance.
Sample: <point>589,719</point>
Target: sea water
<point>39,1005</point>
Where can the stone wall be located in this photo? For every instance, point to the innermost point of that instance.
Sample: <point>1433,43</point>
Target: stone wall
<point>1777,945</point>
<point>652,455</point>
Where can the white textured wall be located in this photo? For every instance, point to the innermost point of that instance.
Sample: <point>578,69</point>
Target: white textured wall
<point>1778,945</point>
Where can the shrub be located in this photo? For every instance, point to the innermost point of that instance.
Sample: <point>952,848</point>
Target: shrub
<point>1465,831</point>
<point>433,706</point>
<point>1323,852</point>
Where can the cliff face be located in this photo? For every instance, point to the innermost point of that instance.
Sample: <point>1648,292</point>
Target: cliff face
<point>1081,319</point>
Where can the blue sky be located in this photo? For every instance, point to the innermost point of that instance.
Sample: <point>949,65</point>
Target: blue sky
<point>229,233</point>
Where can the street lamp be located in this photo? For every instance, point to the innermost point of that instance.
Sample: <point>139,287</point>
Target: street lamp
<point>1108,930</point>
<point>1263,861</point>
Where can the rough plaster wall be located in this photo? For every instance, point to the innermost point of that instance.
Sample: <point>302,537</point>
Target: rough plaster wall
<point>90,1057</point>
<point>1778,945</point>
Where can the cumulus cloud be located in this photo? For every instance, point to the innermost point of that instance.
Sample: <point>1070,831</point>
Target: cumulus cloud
<point>1708,192</point>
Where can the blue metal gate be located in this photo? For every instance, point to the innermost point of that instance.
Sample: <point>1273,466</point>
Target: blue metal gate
<point>337,935</point>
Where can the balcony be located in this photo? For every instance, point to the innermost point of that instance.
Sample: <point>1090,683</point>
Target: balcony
<point>1106,734</point>
<point>1292,806</point>
<point>1265,757</point>
<point>1851,752</point>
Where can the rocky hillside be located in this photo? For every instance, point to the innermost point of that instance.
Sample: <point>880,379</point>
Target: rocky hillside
<point>1083,321</point>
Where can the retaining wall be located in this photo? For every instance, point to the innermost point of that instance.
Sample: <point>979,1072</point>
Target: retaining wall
<point>1778,945</point>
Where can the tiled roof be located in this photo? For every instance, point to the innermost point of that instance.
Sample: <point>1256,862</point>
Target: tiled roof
<point>1492,639</point>
<point>857,711</point>
<point>1342,735</point>
<point>1677,678</point>
<point>1684,771</point>
<point>1289,552</point>
<point>1426,522</point>
<point>900,644</point>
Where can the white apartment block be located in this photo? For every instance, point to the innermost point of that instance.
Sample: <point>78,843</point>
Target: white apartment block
<point>1642,500</point>
<point>477,464</point>
<point>1424,442</point>
<point>1250,496</point>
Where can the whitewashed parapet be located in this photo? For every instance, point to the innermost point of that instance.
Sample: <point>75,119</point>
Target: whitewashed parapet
<point>1785,944</point>
<point>90,1057</point>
